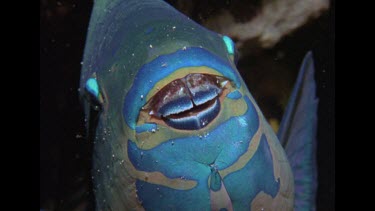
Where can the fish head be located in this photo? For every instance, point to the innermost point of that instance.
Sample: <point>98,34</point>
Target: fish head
<point>177,123</point>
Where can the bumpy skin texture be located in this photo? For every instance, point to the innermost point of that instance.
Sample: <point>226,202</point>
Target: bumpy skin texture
<point>235,162</point>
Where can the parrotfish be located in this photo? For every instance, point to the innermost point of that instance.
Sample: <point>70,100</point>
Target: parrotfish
<point>174,125</point>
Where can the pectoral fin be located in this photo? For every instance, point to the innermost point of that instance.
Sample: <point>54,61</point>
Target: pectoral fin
<point>297,134</point>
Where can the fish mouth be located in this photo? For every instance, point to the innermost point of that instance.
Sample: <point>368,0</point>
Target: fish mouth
<point>188,103</point>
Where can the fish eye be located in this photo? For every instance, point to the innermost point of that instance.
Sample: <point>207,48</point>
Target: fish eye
<point>188,103</point>
<point>93,94</point>
<point>229,44</point>
<point>92,87</point>
<point>231,48</point>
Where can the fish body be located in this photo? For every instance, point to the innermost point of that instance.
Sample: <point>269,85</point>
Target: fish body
<point>177,128</point>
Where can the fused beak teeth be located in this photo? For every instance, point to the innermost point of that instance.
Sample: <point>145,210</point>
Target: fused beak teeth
<point>195,118</point>
<point>188,103</point>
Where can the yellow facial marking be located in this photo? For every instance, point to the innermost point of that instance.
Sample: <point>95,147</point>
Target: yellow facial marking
<point>158,178</point>
<point>229,108</point>
<point>244,159</point>
<point>253,147</point>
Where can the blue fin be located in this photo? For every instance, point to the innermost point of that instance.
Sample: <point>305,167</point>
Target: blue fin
<point>297,134</point>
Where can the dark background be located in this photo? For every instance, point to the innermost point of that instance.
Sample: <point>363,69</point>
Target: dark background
<point>65,154</point>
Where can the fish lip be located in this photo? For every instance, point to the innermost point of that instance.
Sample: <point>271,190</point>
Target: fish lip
<point>152,75</point>
<point>194,98</point>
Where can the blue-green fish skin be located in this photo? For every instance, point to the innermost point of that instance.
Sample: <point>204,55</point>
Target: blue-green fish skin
<point>235,162</point>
